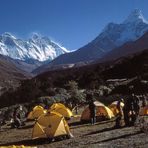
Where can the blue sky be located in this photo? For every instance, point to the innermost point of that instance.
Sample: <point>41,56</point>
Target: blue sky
<point>72,23</point>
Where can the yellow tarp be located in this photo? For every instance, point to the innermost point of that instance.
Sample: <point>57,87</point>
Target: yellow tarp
<point>50,125</point>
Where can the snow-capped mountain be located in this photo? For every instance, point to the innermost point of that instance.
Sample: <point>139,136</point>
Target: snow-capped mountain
<point>112,36</point>
<point>129,48</point>
<point>132,28</point>
<point>36,48</point>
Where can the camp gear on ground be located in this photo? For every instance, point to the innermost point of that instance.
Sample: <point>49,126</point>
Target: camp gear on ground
<point>50,125</point>
<point>16,123</point>
<point>36,112</point>
<point>102,112</point>
<point>62,109</point>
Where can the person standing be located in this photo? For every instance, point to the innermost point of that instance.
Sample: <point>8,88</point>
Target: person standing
<point>18,117</point>
<point>143,99</point>
<point>92,109</point>
<point>131,110</point>
<point>16,122</point>
<point>126,110</point>
<point>120,114</point>
<point>134,108</point>
<point>136,105</point>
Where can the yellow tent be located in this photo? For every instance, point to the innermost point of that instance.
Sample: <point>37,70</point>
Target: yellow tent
<point>102,112</point>
<point>21,146</point>
<point>62,109</point>
<point>50,125</point>
<point>113,107</point>
<point>36,112</point>
<point>143,111</point>
<point>57,105</point>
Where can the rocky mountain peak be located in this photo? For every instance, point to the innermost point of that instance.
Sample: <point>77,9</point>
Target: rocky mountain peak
<point>135,16</point>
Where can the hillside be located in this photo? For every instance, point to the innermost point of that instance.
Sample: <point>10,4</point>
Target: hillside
<point>87,77</point>
<point>10,75</point>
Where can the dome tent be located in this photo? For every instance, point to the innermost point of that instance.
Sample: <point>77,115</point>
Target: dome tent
<point>36,112</point>
<point>102,112</point>
<point>50,125</point>
<point>62,109</point>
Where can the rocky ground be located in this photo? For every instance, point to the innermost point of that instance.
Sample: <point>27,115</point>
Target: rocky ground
<point>102,135</point>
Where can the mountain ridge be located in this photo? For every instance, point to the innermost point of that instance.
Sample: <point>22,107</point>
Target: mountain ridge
<point>127,49</point>
<point>112,36</point>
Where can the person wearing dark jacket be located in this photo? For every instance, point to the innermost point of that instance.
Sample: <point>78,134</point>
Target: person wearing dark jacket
<point>136,104</point>
<point>131,110</point>
<point>126,110</point>
<point>92,109</point>
<point>135,108</point>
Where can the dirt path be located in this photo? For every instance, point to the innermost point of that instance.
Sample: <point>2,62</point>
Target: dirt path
<point>94,136</point>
